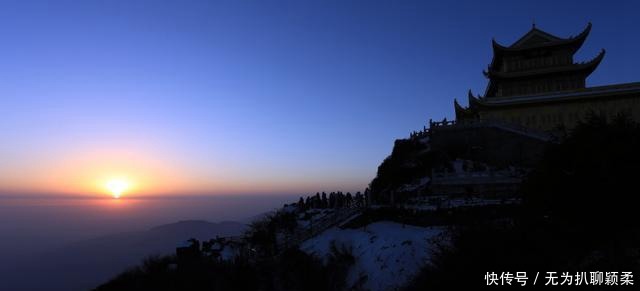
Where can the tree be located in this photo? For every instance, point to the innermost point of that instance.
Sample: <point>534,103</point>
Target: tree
<point>589,177</point>
<point>332,200</point>
<point>316,200</point>
<point>359,200</point>
<point>367,198</point>
<point>578,210</point>
<point>325,202</point>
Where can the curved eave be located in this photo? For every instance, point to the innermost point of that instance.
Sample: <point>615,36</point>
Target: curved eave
<point>578,40</point>
<point>486,72</point>
<point>595,62</point>
<point>461,112</point>
<point>459,109</point>
<point>497,48</point>
<point>473,101</point>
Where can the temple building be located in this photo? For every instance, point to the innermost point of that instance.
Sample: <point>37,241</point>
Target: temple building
<point>536,84</point>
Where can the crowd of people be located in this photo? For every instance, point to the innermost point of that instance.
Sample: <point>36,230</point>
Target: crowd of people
<point>334,200</point>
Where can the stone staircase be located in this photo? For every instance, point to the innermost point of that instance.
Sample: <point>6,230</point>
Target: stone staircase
<point>339,217</point>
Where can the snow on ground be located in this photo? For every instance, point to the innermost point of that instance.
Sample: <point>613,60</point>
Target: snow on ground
<point>387,254</point>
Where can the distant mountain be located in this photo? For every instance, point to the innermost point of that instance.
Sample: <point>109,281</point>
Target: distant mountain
<point>86,264</point>
<point>199,228</point>
<point>259,216</point>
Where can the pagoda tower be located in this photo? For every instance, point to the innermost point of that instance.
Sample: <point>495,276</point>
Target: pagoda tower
<point>538,63</point>
<point>536,83</point>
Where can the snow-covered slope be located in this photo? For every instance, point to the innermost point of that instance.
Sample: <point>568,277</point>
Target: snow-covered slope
<point>387,254</point>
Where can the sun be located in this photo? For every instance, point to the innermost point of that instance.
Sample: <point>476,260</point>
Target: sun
<point>117,186</point>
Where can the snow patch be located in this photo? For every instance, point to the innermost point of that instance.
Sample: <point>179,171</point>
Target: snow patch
<point>387,254</point>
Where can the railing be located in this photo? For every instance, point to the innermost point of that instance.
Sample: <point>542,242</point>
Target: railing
<point>432,124</point>
<point>444,124</point>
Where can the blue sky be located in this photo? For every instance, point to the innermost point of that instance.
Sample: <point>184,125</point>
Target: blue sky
<point>254,96</point>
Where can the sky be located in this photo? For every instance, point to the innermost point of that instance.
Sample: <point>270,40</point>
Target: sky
<point>224,97</point>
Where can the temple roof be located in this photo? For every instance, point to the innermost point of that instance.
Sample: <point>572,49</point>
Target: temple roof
<point>591,92</point>
<point>587,67</point>
<point>540,69</point>
<point>537,38</point>
<point>537,47</point>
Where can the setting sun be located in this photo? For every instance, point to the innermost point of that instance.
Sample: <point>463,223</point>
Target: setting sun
<point>117,186</point>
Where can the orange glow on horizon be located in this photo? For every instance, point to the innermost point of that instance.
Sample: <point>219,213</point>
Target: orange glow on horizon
<point>127,171</point>
<point>147,171</point>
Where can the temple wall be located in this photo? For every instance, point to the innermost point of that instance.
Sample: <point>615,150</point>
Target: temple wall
<point>488,144</point>
<point>548,117</point>
<point>540,85</point>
